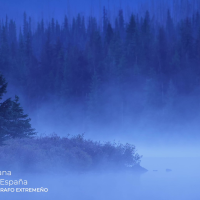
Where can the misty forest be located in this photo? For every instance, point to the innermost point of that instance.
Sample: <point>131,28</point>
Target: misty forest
<point>109,70</point>
<point>121,71</point>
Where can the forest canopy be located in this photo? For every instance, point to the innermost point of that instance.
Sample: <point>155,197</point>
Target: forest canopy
<point>114,70</point>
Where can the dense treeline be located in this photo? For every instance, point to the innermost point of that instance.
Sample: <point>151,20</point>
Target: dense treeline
<point>110,70</point>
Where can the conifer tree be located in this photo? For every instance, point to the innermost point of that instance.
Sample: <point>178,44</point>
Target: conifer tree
<point>13,122</point>
<point>121,24</point>
<point>19,122</point>
<point>94,106</point>
<point>109,34</point>
<point>105,21</point>
<point>4,52</point>
<point>131,41</point>
<point>3,86</point>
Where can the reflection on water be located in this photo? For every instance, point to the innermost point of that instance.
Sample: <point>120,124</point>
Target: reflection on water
<point>183,183</point>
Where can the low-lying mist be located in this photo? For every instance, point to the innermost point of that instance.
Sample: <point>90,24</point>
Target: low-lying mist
<point>173,128</point>
<point>182,182</point>
<point>113,93</point>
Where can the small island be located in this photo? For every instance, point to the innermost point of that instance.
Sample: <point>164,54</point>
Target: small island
<point>62,154</point>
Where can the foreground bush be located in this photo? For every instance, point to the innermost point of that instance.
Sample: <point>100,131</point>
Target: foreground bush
<point>53,153</point>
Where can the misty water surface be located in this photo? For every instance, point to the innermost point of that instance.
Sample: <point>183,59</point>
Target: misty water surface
<point>181,183</point>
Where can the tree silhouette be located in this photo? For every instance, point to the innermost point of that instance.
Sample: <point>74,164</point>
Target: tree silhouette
<point>13,122</point>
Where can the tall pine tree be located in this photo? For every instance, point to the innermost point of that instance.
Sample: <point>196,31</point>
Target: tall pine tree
<point>13,122</point>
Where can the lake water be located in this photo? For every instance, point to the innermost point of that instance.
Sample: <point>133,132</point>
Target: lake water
<point>182,183</point>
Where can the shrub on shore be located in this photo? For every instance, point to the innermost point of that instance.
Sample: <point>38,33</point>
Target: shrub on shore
<point>53,153</point>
